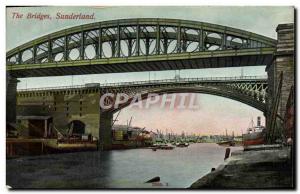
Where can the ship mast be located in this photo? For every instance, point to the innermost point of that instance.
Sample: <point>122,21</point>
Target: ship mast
<point>251,124</point>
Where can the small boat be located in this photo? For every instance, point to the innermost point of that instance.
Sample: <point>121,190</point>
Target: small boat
<point>226,143</point>
<point>166,147</point>
<point>182,145</point>
<point>161,147</point>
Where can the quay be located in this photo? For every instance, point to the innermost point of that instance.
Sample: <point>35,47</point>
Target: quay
<point>17,147</point>
<point>25,146</point>
<point>260,167</point>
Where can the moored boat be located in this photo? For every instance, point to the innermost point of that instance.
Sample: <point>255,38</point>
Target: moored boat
<point>255,134</point>
<point>182,144</point>
<point>166,147</point>
<point>226,143</point>
<point>162,147</point>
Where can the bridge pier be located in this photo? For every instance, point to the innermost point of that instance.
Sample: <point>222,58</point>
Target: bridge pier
<point>283,62</point>
<point>105,130</point>
<point>11,98</point>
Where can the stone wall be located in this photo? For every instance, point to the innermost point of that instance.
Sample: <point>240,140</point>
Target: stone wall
<point>64,108</point>
<point>11,90</point>
<point>106,120</point>
<point>283,62</point>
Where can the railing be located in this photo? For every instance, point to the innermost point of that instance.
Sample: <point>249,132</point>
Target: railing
<point>151,82</point>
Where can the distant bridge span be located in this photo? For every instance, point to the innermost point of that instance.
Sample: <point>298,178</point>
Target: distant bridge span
<point>132,45</point>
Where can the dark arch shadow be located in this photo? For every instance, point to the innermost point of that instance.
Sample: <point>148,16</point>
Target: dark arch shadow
<point>77,127</point>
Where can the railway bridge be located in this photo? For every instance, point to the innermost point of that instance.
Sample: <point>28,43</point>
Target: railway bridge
<point>147,44</point>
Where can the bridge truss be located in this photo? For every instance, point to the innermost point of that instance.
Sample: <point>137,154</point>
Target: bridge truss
<point>132,45</point>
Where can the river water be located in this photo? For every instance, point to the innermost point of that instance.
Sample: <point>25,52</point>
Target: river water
<point>177,168</point>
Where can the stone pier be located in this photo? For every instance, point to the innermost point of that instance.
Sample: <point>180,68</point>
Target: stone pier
<point>105,130</point>
<point>11,98</point>
<point>283,62</point>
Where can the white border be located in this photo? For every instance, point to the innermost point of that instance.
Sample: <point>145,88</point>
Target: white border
<point>4,3</point>
<point>153,2</point>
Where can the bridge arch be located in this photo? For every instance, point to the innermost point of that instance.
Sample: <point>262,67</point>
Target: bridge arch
<point>106,116</point>
<point>142,44</point>
<point>212,90</point>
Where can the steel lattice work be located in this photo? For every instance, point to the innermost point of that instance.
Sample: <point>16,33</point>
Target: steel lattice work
<point>250,90</point>
<point>136,41</point>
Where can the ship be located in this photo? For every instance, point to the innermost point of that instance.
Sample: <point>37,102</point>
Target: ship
<point>255,135</point>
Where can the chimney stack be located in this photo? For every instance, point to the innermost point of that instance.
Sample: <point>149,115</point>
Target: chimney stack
<point>258,121</point>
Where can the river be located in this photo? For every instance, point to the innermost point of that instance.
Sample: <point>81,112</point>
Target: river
<point>177,168</point>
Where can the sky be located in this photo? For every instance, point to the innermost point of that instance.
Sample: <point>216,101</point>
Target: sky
<point>215,113</point>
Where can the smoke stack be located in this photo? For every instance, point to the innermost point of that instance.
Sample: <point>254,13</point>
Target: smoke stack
<point>258,121</point>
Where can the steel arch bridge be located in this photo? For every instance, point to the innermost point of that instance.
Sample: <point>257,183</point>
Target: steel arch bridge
<point>132,45</point>
<point>250,90</point>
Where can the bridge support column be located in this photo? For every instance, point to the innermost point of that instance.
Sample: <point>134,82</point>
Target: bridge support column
<point>11,98</point>
<point>283,62</point>
<point>105,131</point>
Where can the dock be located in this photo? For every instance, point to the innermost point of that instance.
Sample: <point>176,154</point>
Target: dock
<point>16,147</point>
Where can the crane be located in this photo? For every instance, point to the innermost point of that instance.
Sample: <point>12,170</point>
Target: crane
<point>116,119</point>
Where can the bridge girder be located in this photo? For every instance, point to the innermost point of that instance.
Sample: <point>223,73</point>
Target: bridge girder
<point>252,94</point>
<point>139,45</point>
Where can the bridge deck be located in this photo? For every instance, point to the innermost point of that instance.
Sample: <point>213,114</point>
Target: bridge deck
<point>154,82</point>
<point>198,60</point>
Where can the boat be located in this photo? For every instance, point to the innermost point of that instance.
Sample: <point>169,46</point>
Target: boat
<point>255,134</point>
<point>166,147</point>
<point>226,143</point>
<point>77,145</point>
<point>162,147</point>
<point>182,144</point>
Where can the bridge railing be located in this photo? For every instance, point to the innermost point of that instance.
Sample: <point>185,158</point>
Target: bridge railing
<point>151,82</point>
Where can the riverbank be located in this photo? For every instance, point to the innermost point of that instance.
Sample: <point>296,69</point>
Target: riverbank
<point>254,168</point>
